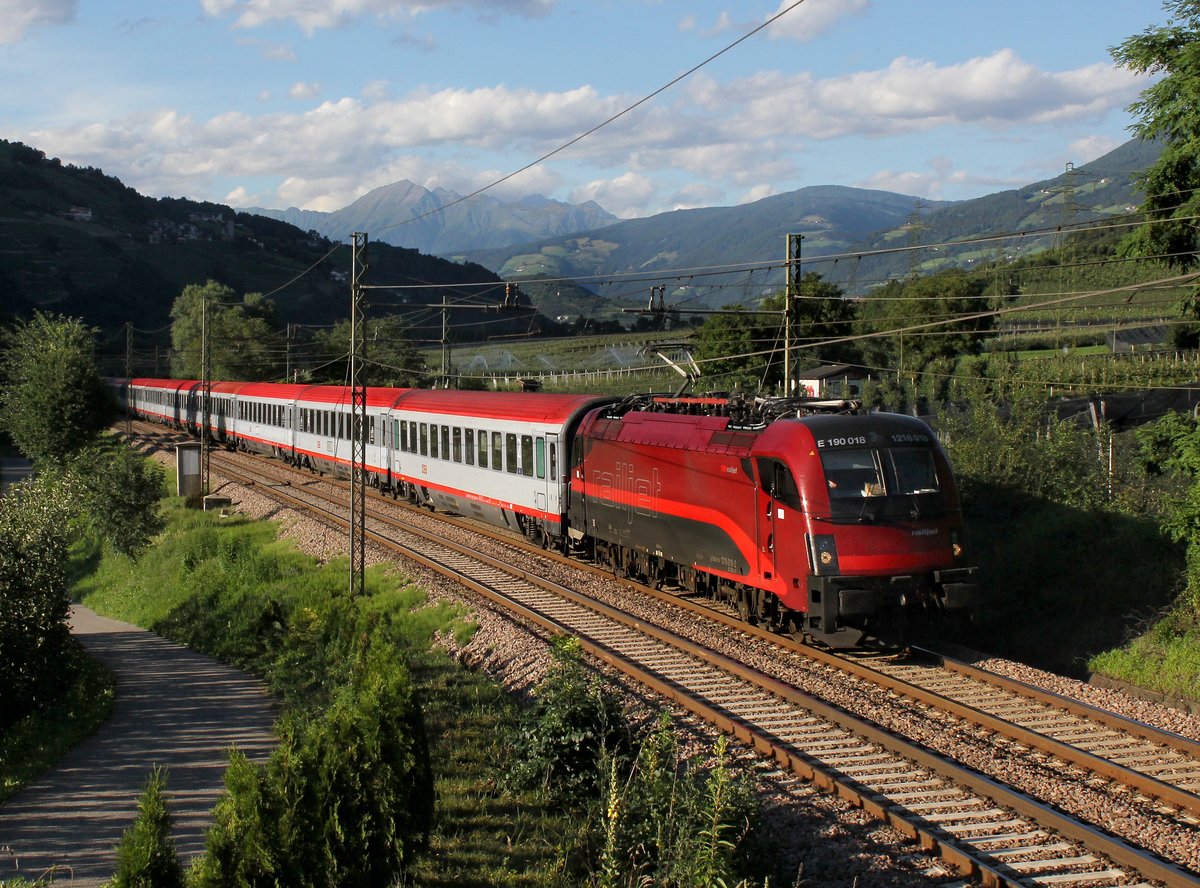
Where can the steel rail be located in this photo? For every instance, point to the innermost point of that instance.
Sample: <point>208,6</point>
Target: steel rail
<point>1143,783</point>
<point>807,767</point>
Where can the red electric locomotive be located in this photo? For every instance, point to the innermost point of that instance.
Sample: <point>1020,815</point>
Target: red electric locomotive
<point>834,526</point>
<point>806,516</point>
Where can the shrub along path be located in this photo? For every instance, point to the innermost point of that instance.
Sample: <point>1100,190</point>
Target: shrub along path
<point>174,708</point>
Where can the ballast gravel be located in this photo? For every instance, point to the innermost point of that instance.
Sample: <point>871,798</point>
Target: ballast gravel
<point>820,840</point>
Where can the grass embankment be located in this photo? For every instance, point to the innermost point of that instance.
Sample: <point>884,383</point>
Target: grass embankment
<point>230,588</point>
<point>1165,658</point>
<point>40,739</point>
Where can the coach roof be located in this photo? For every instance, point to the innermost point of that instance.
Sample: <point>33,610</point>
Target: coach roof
<point>517,406</point>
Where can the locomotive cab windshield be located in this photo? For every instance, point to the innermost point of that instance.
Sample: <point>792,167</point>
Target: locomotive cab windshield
<point>882,484</point>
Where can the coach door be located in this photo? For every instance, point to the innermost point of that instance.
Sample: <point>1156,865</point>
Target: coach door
<point>545,458</point>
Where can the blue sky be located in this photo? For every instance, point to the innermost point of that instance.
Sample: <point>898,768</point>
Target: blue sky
<point>313,103</point>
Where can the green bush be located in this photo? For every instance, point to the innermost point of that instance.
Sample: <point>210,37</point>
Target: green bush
<point>34,540</point>
<point>346,798</point>
<point>146,856</point>
<point>576,723</point>
<point>120,491</point>
<point>648,818</point>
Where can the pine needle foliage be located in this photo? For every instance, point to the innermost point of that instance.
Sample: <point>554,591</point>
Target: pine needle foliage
<point>146,856</point>
<point>345,800</point>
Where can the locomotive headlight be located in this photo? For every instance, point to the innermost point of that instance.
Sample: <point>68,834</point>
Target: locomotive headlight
<point>822,554</point>
<point>955,546</point>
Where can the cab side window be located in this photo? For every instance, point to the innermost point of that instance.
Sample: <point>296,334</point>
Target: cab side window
<point>778,482</point>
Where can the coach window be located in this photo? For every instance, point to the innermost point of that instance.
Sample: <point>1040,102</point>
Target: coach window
<point>553,461</point>
<point>412,437</point>
<point>483,449</point>
<point>456,437</point>
<point>445,442</point>
<point>372,422</point>
<point>527,455</point>
<point>498,451</point>
<point>539,456</point>
<point>510,452</point>
<point>469,434</point>
<point>424,439</point>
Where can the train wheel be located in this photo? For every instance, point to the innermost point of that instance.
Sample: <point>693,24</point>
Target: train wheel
<point>745,608</point>
<point>794,628</point>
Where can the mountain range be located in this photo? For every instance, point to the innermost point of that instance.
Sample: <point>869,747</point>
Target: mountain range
<point>874,234</point>
<point>407,215</point>
<point>80,242</point>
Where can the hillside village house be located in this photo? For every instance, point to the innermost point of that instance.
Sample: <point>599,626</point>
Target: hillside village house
<point>831,380</point>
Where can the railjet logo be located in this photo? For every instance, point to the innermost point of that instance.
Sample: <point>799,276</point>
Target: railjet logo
<point>625,491</point>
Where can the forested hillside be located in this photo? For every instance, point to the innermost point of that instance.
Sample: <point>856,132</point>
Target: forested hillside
<point>78,242</point>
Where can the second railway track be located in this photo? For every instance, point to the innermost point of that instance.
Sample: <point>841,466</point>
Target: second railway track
<point>1018,834</point>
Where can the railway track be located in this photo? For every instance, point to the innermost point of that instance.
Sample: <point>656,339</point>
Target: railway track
<point>994,832</point>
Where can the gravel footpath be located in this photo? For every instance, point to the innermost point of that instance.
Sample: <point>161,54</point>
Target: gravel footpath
<point>175,708</point>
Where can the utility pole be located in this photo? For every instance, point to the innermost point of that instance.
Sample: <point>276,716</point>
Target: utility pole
<point>287,353</point>
<point>128,377</point>
<point>791,298</point>
<point>205,394</point>
<point>445,345</point>
<point>358,418</point>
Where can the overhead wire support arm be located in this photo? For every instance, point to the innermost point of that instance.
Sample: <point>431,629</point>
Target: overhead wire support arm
<point>690,374</point>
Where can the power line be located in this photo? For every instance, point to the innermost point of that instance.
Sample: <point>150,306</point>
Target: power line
<point>604,123</point>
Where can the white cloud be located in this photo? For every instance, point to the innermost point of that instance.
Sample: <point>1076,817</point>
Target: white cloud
<point>813,18</point>
<point>375,91</point>
<point>758,192</point>
<point>940,178</point>
<point>304,91</point>
<point>720,137</point>
<point>314,15</point>
<point>625,195</point>
<point>911,95</point>
<point>1089,148</point>
<point>18,16</point>
<point>802,23</point>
